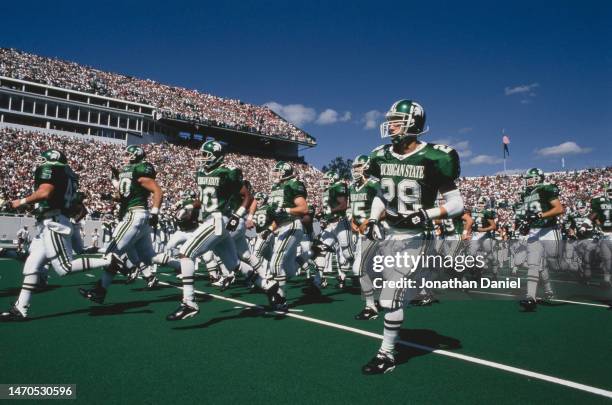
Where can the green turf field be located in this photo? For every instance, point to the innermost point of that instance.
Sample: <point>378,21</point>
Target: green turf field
<point>451,352</point>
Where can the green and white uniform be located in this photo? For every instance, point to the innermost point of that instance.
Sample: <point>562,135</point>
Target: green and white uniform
<point>409,182</point>
<point>543,241</point>
<point>290,230</point>
<point>133,233</point>
<point>53,243</point>
<point>602,208</point>
<point>219,192</point>
<point>336,236</point>
<point>360,206</point>
<point>263,217</point>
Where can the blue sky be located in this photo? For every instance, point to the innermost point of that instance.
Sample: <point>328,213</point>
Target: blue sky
<point>541,71</point>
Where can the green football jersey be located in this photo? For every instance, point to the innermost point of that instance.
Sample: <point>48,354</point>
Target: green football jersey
<point>602,207</point>
<point>283,195</point>
<point>131,193</point>
<point>330,199</point>
<point>263,217</point>
<point>220,190</point>
<point>538,200</point>
<point>452,226</point>
<point>481,219</point>
<point>360,199</point>
<point>411,182</point>
<point>65,183</point>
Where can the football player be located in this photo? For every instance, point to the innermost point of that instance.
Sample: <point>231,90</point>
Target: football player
<point>55,188</point>
<point>261,217</point>
<point>601,208</point>
<point>336,237</point>
<point>362,191</point>
<point>288,197</point>
<point>411,174</point>
<point>132,236</point>
<point>581,227</point>
<point>186,213</point>
<point>483,233</point>
<point>542,207</point>
<point>224,201</point>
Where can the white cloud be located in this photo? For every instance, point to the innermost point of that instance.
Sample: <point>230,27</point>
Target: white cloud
<point>521,89</point>
<point>465,130</point>
<point>565,148</point>
<point>484,160</point>
<point>462,147</point>
<point>328,116</point>
<point>299,114</point>
<point>370,119</point>
<point>295,113</point>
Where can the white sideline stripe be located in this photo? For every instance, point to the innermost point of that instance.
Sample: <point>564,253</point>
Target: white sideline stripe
<point>470,359</point>
<point>590,304</point>
<point>89,275</point>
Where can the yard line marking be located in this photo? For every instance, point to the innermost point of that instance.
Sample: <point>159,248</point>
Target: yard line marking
<point>470,359</point>
<point>590,304</point>
<point>89,275</point>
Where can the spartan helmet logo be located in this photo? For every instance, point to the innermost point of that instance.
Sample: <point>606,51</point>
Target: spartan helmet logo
<point>54,155</point>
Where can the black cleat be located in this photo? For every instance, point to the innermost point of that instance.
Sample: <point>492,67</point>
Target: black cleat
<point>382,363</point>
<point>151,282</point>
<point>341,282</point>
<point>280,305</point>
<point>184,311</point>
<point>272,294</point>
<point>224,282</point>
<point>528,304</point>
<point>13,315</point>
<point>132,275</point>
<point>96,294</point>
<point>423,300</point>
<point>367,314</point>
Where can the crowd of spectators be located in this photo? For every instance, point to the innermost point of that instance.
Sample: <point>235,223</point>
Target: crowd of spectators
<point>172,102</point>
<point>175,165</point>
<point>92,161</point>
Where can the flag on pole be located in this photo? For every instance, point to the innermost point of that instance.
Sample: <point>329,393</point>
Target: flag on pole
<point>506,142</point>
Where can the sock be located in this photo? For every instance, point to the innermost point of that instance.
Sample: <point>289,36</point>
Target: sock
<point>367,289</point>
<point>532,280</point>
<point>545,280</point>
<point>393,323</point>
<point>25,295</point>
<point>187,270</point>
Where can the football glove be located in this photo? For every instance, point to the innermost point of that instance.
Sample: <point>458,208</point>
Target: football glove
<point>114,173</point>
<point>417,219</point>
<point>265,233</point>
<point>374,231</point>
<point>232,224</point>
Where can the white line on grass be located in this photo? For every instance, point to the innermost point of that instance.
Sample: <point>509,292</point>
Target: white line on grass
<point>470,359</point>
<point>590,304</point>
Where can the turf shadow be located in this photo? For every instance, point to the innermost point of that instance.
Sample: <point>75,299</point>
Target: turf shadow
<point>423,337</point>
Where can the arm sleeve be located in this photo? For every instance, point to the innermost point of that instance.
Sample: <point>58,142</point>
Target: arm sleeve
<point>378,207</point>
<point>453,204</point>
